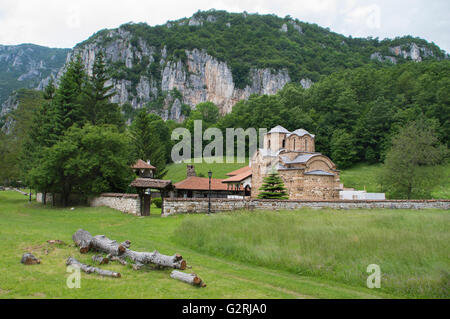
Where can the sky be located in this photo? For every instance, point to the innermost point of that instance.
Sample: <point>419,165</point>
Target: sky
<point>64,23</point>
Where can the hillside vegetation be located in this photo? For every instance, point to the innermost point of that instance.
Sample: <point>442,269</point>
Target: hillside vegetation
<point>306,50</point>
<point>363,176</point>
<point>355,113</point>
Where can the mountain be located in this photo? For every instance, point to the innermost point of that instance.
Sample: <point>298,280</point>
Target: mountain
<point>215,56</point>
<point>225,57</point>
<point>26,65</point>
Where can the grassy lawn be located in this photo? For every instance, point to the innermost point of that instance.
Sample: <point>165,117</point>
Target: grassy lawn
<point>177,172</point>
<point>26,227</point>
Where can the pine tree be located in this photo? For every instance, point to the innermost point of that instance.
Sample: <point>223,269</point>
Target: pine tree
<point>68,95</point>
<point>49,90</point>
<point>96,96</point>
<point>147,142</point>
<point>273,187</point>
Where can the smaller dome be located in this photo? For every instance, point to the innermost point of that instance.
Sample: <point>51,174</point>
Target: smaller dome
<point>279,129</point>
<point>302,132</point>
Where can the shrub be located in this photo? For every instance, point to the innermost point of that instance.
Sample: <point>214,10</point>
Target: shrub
<point>158,202</point>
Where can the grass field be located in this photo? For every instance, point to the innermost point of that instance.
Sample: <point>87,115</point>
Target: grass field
<point>26,227</point>
<point>411,247</point>
<point>268,271</point>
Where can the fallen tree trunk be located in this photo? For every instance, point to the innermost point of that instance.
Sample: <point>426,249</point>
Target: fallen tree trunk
<point>83,239</point>
<point>191,279</point>
<point>29,259</point>
<point>175,261</point>
<point>90,269</point>
<point>106,245</point>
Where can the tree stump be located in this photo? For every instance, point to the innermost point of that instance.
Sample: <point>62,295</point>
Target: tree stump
<point>29,259</point>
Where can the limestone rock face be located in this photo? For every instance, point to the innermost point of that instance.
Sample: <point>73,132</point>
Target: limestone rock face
<point>199,78</point>
<point>204,78</point>
<point>412,51</point>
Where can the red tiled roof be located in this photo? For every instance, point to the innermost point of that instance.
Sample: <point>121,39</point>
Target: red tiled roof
<point>240,171</point>
<point>201,184</point>
<point>150,183</point>
<point>140,164</point>
<point>238,178</point>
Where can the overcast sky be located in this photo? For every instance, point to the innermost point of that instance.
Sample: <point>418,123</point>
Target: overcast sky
<point>64,23</point>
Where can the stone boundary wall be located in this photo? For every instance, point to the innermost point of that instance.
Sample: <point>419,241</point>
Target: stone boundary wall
<point>127,203</point>
<point>199,205</point>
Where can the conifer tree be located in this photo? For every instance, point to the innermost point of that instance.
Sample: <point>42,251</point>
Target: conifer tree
<point>273,187</point>
<point>68,95</point>
<point>147,142</point>
<point>96,97</point>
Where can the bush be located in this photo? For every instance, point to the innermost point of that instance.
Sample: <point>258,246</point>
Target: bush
<point>158,202</point>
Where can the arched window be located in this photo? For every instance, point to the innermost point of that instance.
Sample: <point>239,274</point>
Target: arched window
<point>306,145</point>
<point>294,144</point>
<point>269,144</point>
<point>284,143</point>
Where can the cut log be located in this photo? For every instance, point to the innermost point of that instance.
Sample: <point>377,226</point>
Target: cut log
<point>191,279</point>
<point>175,261</point>
<point>100,259</point>
<point>103,244</point>
<point>106,245</point>
<point>83,239</point>
<point>90,269</point>
<point>29,259</point>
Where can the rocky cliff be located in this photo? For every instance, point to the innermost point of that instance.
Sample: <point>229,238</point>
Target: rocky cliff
<point>410,51</point>
<point>25,66</point>
<point>199,78</point>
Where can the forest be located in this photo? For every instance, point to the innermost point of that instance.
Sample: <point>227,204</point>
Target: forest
<point>73,138</point>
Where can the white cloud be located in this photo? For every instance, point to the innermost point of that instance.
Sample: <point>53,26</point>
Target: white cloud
<point>63,23</point>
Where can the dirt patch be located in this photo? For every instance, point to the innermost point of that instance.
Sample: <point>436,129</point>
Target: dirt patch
<point>4,291</point>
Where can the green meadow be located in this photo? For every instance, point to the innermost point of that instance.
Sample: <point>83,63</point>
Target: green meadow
<point>301,254</point>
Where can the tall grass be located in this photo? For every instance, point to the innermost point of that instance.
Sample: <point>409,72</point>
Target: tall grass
<point>412,248</point>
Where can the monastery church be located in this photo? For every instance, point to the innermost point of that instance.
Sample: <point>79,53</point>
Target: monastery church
<point>306,174</point>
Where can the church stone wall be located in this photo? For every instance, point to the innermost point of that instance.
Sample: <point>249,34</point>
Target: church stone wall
<point>173,206</point>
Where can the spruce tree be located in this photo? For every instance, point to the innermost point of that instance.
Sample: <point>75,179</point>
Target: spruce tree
<point>96,97</point>
<point>147,142</point>
<point>273,187</point>
<point>68,95</point>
